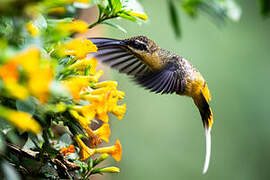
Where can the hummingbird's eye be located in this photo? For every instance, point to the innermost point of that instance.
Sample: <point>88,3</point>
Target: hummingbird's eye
<point>139,46</point>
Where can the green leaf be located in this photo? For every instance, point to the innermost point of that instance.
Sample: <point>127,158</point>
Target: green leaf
<point>215,11</point>
<point>9,172</point>
<point>264,7</point>
<point>191,7</point>
<point>66,139</point>
<point>174,19</point>
<point>29,144</point>
<point>2,143</point>
<point>40,22</point>
<point>90,163</point>
<point>27,105</point>
<point>114,26</point>
<point>49,171</point>
<point>125,15</point>
<point>116,5</point>
<point>232,9</point>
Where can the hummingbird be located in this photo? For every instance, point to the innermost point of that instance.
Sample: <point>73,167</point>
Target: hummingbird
<point>160,71</point>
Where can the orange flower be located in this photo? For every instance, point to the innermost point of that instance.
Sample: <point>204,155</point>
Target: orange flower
<point>68,150</point>
<point>9,72</point>
<point>115,151</point>
<point>103,132</point>
<point>10,76</point>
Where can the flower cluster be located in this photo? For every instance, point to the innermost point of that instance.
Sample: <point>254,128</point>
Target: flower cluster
<point>53,107</point>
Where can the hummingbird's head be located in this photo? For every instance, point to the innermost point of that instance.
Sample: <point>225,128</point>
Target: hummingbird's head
<point>141,46</point>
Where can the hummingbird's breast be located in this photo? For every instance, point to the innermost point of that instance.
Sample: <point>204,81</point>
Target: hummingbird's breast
<point>193,78</point>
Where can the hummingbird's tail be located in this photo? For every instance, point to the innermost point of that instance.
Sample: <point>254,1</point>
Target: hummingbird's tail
<point>202,102</point>
<point>207,150</point>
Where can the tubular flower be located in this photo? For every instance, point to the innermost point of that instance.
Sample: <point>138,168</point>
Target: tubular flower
<point>84,122</point>
<point>82,64</point>
<point>10,76</point>
<point>76,84</point>
<point>39,78</point>
<point>119,111</point>
<point>9,72</point>
<point>57,11</point>
<point>28,59</point>
<point>111,169</point>
<point>79,48</point>
<point>32,29</point>
<point>88,112</point>
<point>39,82</point>
<point>79,1</point>
<point>21,120</point>
<point>68,150</point>
<point>76,26</point>
<point>17,90</point>
<point>115,151</point>
<point>103,132</point>
<point>139,15</point>
<point>85,152</point>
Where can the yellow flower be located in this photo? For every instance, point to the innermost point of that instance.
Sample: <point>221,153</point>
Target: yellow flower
<point>106,84</point>
<point>57,11</point>
<point>75,85</point>
<point>85,152</point>
<point>103,132</point>
<point>140,15</point>
<point>76,26</point>
<point>88,112</point>
<point>111,169</point>
<point>84,122</point>
<point>17,90</point>
<point>79,47</point>
<point>39,82</point>
<point>80,1</point>
<point>10,76</point>
<point>28,59</point>
<point>21,120</point>
<point>115,151</point>
<point>32,29</point>
<point>82,64</point>
<point>119,111</point>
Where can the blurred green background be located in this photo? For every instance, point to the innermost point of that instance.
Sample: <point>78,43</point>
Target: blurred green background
<point>163,137</point>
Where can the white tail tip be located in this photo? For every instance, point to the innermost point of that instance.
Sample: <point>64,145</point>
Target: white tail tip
<point>208,149</point>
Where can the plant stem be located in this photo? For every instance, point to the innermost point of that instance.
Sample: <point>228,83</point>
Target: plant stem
<point>102,19</point>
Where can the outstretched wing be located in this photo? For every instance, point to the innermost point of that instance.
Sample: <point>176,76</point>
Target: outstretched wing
<point>116,54</point>
<point>169,79</point>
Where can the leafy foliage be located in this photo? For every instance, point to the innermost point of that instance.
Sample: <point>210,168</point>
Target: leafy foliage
<point>53,109</point>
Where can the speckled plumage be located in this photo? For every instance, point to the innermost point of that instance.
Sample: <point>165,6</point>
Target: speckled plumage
<point>160,71</point>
